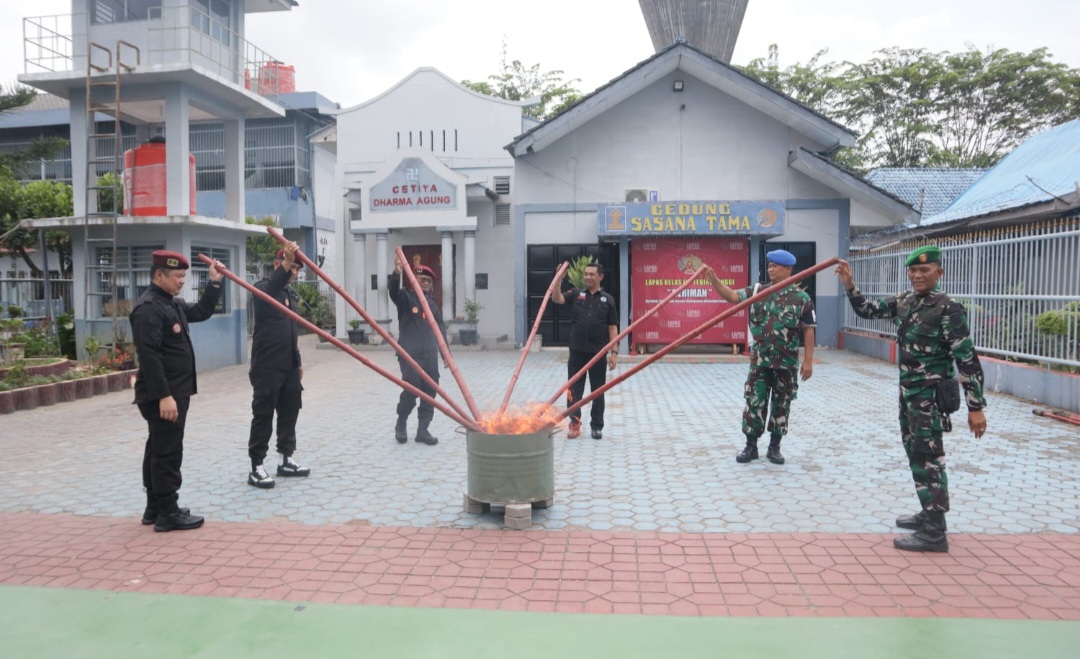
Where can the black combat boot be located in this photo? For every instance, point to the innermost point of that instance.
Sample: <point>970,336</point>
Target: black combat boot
<point>425,437</point>
<point>773,454</point>
<point>749,453</point>
<point>930,535</point>
<point>912,521</point>
<point>150,514</point>
<point>401,433</point>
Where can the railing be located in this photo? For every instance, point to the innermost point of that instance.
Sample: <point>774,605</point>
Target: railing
<point>29,296</point>
<point>1007,279</point>
<point>175,35</point>
<point>47,43</point>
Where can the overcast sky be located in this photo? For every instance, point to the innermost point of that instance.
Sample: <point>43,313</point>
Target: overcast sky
<point>352,50</point>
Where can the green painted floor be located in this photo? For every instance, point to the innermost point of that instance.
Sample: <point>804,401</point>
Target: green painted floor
<point>50,622</point>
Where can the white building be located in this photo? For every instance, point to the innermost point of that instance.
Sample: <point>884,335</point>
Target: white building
<point>422,166</point>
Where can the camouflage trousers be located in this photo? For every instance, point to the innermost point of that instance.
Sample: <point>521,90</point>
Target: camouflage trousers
<point>768,390</point>
<point>920,431</point>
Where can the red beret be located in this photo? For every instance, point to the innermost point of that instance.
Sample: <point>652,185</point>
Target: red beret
<point>424,270</point>
<point>280,256</point>
<point>171,260</point>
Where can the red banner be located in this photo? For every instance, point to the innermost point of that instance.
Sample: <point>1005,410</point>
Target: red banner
<point>660,265</point>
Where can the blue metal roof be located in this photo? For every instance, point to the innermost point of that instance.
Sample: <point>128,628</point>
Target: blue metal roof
<point>1041,168</point>
<point>928,190</point>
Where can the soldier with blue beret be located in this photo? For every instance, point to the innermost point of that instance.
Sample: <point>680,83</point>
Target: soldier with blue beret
<point>932,334</point>
<point>778,324</point>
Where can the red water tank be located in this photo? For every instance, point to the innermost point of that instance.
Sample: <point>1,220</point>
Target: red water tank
<point>277,78</point>
<point>146,180</point>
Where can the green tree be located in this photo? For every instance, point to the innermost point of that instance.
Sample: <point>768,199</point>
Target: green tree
<point>261,249</point>
<point>517,82</point>
<point>42,148</point>
<point>915,108</point>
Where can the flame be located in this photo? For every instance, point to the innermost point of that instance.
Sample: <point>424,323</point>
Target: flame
<point>522,421</point>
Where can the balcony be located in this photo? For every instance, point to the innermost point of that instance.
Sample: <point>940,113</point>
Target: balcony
<point>171,40</point>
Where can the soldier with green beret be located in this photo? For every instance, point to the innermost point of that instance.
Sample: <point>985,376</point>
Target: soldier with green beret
<point>932,334</point>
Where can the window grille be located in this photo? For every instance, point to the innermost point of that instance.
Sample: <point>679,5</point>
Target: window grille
<point>199,274</point>
<point>502,185</point>
<point>356,214</point>
<point>502,214</point>
<point>132,277</point>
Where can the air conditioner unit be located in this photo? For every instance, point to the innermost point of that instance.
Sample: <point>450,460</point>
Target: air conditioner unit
<point>641,195</point>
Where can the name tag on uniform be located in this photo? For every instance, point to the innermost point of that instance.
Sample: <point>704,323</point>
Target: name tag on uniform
<point>581,296</point>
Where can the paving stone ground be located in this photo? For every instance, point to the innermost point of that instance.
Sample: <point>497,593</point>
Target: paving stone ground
<point>666,463</point>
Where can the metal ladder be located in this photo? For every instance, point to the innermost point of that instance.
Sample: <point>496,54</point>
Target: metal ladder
<point>104,155</point>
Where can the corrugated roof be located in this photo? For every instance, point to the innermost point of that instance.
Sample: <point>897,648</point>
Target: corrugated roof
<point>927,189</point>
<point>1042,168</point>
<point>44,101</point>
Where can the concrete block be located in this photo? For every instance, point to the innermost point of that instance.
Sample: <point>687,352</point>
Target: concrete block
<point>518,510</point>
<point>518,523</point>
<point>546,503</point>
<point>475,507</point>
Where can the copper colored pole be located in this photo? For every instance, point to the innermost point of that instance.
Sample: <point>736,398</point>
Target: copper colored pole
<point>443,348</point>
<point>536,326</point>
<point>370,321</point>
<point>699,330</point>
<point>600,355</point>
<point>364,360</point>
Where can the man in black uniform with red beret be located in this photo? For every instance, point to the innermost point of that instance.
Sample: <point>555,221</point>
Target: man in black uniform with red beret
<point>417,339</point>
<point>275,373</point>
<point>166,381</point>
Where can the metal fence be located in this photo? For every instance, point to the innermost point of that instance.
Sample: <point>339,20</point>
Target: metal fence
<point>29,296</point>
<point>1020,286</point>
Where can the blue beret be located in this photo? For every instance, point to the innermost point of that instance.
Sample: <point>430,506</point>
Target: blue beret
<point>780,257</point>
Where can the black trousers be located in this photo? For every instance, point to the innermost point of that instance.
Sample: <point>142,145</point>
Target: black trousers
<point>274,391</point>
<point>407,400</point>
<point>597,377</point>
<point>164,454</point>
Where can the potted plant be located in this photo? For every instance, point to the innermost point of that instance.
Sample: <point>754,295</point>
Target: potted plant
<point>357,335</point>
<point>469,335</point>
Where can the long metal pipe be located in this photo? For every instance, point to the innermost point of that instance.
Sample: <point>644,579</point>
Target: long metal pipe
<point>443,348</point>
<point>614,342</point>
<point>348,349</point>
<point>536,326</point>
<point>370,321</point>
<point>700,329</point>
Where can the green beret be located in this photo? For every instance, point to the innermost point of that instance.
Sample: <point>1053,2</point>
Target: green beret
<point>928,254</point>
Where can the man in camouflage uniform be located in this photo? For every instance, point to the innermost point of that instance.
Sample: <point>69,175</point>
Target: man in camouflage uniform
<point>932,332</point>
<point>777,324</point>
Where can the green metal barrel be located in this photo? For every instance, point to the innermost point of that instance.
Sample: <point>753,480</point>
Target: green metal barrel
<point>511,468</point>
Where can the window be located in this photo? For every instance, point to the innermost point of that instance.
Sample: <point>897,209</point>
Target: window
<point>132,278</point>
<point>356,214</point>
<point>104,12</point>
<point>502,185</point>
<point>212,17</point>
<point>199,275</point>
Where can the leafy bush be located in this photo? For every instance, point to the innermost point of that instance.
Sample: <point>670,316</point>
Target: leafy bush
<point>1061,322</point>
<point>65,334</point>
<point>576,273</point>
<point>38,341</point>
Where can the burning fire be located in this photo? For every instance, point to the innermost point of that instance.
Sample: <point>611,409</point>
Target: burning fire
<point>522,421</point>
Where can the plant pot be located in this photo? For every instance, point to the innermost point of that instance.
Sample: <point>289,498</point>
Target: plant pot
<point>357,336</point>
<point>468,337</point>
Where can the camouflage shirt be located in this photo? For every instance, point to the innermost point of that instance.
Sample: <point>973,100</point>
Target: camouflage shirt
<point>777,323</point>
<point>932,332</point>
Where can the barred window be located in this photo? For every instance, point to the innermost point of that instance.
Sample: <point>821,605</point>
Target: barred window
<point>199,275</point>
<point>132,278</point>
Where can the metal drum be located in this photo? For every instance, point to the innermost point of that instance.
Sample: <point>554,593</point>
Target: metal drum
<point>511,468</point>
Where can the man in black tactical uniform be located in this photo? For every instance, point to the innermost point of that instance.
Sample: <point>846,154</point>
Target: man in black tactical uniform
<point>166,381</point>
<point>275,373</point>
<point>417,339</point>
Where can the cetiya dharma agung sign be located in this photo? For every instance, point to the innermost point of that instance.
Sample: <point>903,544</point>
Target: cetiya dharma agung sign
<point>412,186</point>
<point>697,218</point>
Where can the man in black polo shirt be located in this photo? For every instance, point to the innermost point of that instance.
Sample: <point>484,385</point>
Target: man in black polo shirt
<point>593,324</point>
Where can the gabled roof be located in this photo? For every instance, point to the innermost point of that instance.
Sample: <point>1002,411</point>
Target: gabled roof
<point>681,56</point>
<point>831,175</point>
<point>927,189</point>
<point>430,69</point>
<point>1039,177</point>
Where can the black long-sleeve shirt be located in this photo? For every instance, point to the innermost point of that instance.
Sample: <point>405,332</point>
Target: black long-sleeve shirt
<point>414,335</point>
<point>274,340</point>
<point>159,328</point>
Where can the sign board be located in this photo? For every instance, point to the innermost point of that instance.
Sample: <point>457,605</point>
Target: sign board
<point>697,218</point>
<point>660,265</point>
<point>412,186</point>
